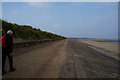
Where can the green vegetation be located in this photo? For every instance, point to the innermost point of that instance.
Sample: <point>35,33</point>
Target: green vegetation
<point>28,32</point>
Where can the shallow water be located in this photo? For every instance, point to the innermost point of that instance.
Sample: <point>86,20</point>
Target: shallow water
<point>112,42</point>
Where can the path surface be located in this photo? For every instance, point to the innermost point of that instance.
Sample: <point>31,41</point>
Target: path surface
<point>62,59</point>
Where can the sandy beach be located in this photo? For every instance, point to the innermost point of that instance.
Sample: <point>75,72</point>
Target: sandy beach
<point>104,47</point>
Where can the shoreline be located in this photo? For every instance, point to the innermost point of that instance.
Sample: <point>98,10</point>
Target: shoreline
<point>108,48</point>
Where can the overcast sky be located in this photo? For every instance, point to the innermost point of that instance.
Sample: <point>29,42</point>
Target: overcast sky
<point>70,19</point>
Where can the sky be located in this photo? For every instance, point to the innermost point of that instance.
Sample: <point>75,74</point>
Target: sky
<point>60,0</point>
<point>70,19</point>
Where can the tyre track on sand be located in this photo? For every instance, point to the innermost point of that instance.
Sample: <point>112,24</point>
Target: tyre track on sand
<point>84,62</point>
<point>72,68</point>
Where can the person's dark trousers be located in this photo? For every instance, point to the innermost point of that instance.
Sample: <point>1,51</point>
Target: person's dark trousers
<point>4,54</point>
<point>10,61</point>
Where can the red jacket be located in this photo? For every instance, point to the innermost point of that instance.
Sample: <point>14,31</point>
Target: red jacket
<point>3,41</point>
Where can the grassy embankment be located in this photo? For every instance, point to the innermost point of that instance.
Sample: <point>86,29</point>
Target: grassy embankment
<point>25,32</point>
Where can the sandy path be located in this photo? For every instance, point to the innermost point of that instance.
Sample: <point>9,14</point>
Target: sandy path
<point>68,58</point>
<point>40,63</point>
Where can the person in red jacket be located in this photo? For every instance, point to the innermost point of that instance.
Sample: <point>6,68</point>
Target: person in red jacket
<point>7,43</point>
